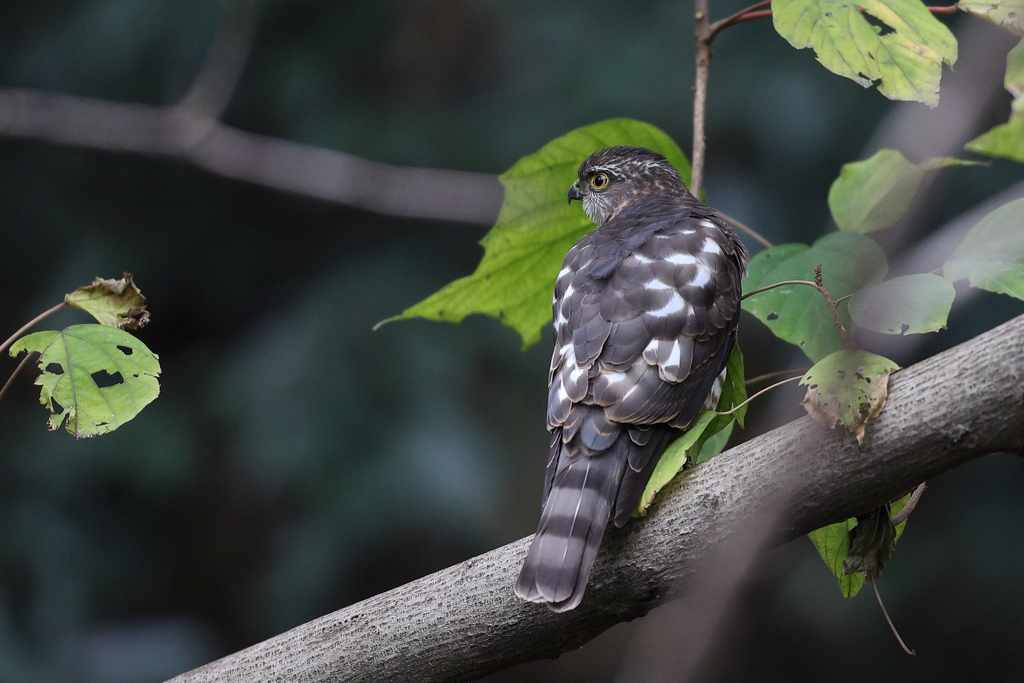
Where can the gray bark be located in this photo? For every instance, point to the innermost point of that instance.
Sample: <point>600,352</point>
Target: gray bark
<point>464,622</point>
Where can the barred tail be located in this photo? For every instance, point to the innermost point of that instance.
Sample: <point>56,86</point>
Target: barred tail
<point>577,510</point>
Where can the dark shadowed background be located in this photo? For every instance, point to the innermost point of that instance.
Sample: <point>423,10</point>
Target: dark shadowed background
<point>297,461</point>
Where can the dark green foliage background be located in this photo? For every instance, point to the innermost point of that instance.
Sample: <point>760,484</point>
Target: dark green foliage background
<point>296,461</point>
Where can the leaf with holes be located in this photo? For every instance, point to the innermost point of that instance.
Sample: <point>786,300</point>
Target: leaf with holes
<point>525,249</point>
<point>873,194</point>
<point>98,377</point>
<point>833,543</point>
<point>992,254</point>
<point>847,388</point>
<point>1007,139</point>
<point>895,43</point>
<point>1006,13</point>
<point>117,303</point>
<point>911,304</point>
<point>704,438</point>
<point>798,313</point>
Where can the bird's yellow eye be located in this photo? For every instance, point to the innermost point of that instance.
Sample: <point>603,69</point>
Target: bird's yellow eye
<point>599,181</point>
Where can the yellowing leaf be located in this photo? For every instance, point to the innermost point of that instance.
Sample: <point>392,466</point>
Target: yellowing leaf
<point>98,377</point>
<point>847,388</point>
<point>896,43</point>
<point>117,303</point>
<point>1006,13</point>
<point>991,256</point>
<point>536,227</point>
<point>911,304</point>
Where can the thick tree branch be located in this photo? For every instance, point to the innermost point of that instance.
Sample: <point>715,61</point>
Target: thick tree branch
<point>464,622</point>
<point>187,134</point>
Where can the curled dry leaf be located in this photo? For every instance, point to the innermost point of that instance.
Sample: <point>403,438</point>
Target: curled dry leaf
<point>847,388</point>
<point>115,303</point>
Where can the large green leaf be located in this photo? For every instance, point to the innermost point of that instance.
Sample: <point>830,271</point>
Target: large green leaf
<point>873,194</point>
<point>98,377</point>
<point>911,304</point>
<point>1007,140</point>
<point>847,388</point>
<point>1006,13</point>
<point>992,254</point>
<point>833,544</point>
<point>896,43</point>
<point>524,250</point>
<point>798,313</point>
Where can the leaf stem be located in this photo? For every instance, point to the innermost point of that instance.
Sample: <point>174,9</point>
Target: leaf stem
<point>902,515</point>
<point>10,380</point>
<point>29,324</point>
<point>834,307</point>
<point>755,12</point>
<point>874,584</point>
<point>751,398</point>
<point>773,375</point>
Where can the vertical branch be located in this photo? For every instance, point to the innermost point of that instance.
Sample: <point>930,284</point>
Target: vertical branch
<point>700,94</point>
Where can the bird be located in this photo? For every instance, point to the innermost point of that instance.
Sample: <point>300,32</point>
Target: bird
<point>645,311</point>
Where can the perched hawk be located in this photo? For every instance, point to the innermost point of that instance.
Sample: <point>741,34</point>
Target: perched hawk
<point>645,313</point>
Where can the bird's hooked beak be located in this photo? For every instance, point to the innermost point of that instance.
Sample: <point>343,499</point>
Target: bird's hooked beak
<point>574,192</point>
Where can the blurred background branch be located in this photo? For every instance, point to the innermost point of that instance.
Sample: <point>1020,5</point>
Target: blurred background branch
<point>183,133</point>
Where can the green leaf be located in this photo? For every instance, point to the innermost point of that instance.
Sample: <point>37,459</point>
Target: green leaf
<point>873,194</point>
<point>911,304</point>
<point>833,542</point>
<point>1007,140</point>
<point>524,250</point>
<point>1006,13</point>
<point>672,460</point>
<point>847,388</point>
<point>117,303</point>
<point>896,43</point>
<point>98,377</point>
<point>992,254</point>
<point>798,313</point>
<point>706,437</point>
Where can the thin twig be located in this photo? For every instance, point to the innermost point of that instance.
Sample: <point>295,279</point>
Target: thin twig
<point>744,228</point>
<point>874,584</point>
<point>741,16</point>
<point>902,515</point>
<point>751,398</point>
<point>10,380</point>
<point>773,375</point>
<point>700,94</point>
<point>30,323</point>
<point>224,63</point>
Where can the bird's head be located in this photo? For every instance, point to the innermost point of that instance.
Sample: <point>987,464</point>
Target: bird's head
<point>613,177</point>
